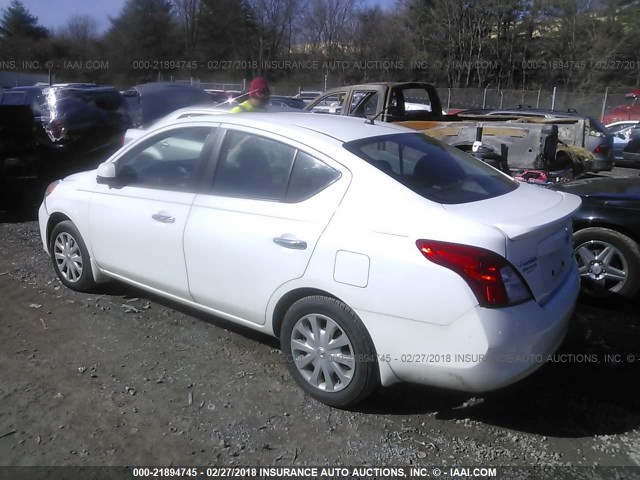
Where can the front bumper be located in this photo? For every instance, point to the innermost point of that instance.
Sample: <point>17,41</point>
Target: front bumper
<point>43,220</point>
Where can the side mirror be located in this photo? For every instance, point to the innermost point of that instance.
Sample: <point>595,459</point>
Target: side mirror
<point>106,173</point>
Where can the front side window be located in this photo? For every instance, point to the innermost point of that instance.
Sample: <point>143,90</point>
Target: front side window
<point>436,171</point>
<point>169,161</point>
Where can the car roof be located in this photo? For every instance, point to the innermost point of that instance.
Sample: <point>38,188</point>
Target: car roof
<point>340,128</point>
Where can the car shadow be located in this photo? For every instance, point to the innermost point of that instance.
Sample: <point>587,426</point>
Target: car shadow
<point>118,289</point>
<point>20,198</point>
<point>589,387</point>
<point>19,201</point>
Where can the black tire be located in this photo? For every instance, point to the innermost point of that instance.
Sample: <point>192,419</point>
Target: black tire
<point>626,258</point>
<point>364,376</point>
<point>66,240</point>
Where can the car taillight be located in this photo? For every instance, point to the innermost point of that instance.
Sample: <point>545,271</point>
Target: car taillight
<point>493,280</point>
<point>601,149</point>
<point>57,128</point>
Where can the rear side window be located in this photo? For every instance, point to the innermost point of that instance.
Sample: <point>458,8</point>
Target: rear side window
<point>435,171</point>
<point>255,167</point>
<point>14,98</point>
<point>309,177</point>
<point>251,166</point>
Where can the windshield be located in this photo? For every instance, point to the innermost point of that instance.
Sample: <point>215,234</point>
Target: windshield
<point>432,169</point>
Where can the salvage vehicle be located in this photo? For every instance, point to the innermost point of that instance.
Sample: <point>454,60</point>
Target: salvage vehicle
<point>54,129</point>
<point>554,145</point>
<point>606,235</point>
<point>347,240</point>
<point>597,139</point>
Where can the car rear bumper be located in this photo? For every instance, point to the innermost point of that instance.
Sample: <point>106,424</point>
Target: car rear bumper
<point>20,167</point>
<point>483,350</point>
<point>630,159</point>
<point>603,163</point>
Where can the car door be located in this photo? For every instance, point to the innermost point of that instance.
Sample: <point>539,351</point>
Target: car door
<point>257,227</point>
<point>136,226</point>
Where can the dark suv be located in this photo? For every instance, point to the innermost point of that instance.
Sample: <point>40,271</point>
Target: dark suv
<point>52,130</point>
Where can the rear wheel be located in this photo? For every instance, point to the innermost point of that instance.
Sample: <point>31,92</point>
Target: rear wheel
<point>608,261</point>
<point>70,257</point>
<point>329,352</point>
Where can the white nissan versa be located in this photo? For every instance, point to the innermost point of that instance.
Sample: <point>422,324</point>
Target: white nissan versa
<point>375,253</point>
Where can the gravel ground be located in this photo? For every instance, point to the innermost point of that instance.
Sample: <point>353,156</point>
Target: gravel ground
<point>121,377</point>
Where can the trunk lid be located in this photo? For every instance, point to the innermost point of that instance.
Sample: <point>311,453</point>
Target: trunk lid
<point>537,227</point>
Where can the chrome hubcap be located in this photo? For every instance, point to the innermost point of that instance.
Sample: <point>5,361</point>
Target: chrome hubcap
<point>68,257</point>
<point>322,353</point>
<point>601,266</point>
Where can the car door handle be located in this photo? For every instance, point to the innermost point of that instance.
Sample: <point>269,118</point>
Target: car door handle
<point>162,218</point>
<point>291,243</point>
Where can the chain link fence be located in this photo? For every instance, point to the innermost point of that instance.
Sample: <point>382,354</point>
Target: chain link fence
<point>595,103</point>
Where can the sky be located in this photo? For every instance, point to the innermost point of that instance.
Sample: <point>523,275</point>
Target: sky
<point>54,13</point>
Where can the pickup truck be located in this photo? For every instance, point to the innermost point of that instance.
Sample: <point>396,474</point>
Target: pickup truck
<point>531,143</point>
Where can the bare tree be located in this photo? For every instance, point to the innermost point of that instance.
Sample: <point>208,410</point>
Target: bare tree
<point>189,13</point>
<point>273,20</point>
<point>80,29</point>
<point>330,26</point>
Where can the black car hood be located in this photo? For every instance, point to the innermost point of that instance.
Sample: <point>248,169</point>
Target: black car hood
<point>618,188</point>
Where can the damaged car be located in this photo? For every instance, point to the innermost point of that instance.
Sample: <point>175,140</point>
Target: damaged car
<point>374,253</point>
<point>46,130</point>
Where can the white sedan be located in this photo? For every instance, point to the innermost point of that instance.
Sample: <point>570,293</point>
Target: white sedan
<point>375,253</point>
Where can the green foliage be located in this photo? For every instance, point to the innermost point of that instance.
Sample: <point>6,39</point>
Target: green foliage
<point>21,37</point>
<point>145,31</point>
<point>523,44</point>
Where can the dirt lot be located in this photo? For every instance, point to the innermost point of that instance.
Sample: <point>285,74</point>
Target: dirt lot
<point>123,378</point>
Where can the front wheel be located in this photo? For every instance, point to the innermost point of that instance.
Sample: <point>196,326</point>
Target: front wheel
<point>70,257</point>
<point>608,261</point>
<point>329,352</point>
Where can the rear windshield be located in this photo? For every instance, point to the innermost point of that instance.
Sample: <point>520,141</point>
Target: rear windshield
<point>435,171</point>
<point>14,98</point>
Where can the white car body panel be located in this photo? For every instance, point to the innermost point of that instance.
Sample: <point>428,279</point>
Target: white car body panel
<point>219,255</point>
<point>145,250</point>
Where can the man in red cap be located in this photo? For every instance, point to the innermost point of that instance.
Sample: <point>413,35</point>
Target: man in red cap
<point>259,94</point>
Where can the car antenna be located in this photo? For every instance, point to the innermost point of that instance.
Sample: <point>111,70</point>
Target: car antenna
<point>370,121</point>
